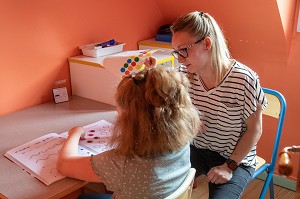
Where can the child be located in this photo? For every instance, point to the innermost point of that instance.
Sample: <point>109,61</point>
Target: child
<point>155,124</point>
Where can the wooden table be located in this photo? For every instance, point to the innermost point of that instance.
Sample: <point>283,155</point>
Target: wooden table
<point>23,126</point>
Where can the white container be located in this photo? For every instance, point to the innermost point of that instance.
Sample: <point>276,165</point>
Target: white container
<point>92,51</point>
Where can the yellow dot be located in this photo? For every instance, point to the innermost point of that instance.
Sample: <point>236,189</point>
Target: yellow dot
<point>138,67</point>
<point>148,54</point>
<point>132,57</point>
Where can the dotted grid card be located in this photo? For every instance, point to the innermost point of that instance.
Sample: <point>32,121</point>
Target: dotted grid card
<point>96,137</point>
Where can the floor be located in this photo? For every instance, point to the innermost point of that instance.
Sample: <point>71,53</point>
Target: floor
<point>252,191</point>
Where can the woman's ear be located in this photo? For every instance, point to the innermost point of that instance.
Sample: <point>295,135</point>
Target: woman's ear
<point>208,43</point>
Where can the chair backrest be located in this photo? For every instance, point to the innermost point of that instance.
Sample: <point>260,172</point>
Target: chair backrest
<point>184,191</point>
<point>276,108</point>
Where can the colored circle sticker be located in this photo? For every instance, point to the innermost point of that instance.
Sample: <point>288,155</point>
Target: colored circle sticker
<point>133,63</point>
<point>136,59</point>
<point>128,61</point>
<point>127,72</point>
<point>122,70</point>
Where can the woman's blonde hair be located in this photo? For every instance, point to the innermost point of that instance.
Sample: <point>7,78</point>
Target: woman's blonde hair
<point>157,113</point>
<point>203,25</point>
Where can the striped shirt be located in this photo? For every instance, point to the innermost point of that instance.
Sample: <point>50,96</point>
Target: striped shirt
<point>225,109</point>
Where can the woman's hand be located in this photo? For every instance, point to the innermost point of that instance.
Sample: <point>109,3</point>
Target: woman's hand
<point>150,62</point>
<point>219,174</point>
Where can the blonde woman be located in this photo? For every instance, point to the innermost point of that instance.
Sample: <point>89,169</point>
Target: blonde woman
<point>229,96</point>
<point>151,155</point>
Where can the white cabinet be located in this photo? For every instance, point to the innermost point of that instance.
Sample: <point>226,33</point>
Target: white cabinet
<point>91,80</point>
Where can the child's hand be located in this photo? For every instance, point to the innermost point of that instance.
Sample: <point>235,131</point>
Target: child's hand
<point>150,62</point>
<point>78,130</point>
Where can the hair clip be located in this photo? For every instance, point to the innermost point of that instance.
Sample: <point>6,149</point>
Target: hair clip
<point>141,77</point>
<point>201,14</point>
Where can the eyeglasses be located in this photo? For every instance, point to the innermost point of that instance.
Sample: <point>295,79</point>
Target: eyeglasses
<point>184,51</point>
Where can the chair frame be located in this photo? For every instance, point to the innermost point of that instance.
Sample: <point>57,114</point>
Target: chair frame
<point>270,167</point>
<point>184,191</point>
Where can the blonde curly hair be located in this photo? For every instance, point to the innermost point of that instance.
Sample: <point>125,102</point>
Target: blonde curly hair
<point>157,113</point>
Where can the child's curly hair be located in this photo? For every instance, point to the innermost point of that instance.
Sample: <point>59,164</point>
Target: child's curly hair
<point>157,113</point>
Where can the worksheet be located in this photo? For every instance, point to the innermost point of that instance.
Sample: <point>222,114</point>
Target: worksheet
<point>38,157</point>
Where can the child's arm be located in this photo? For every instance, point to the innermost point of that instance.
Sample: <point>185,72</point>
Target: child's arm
<point>70,164</point>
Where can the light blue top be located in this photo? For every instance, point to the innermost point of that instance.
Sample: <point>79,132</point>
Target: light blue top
<point>137,178</point>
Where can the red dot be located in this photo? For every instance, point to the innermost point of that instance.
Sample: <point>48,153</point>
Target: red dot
<point>90,134</point>
<point>133,63</point>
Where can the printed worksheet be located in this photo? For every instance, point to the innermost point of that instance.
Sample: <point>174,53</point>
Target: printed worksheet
<point>38,157</point>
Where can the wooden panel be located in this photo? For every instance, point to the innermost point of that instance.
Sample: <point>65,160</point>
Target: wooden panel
<point>273,108</point>
<point>261,162</point>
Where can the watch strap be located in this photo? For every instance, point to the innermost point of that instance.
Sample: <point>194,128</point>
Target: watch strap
<point>232,165</point>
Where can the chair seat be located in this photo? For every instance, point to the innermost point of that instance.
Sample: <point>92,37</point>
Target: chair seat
<point>260,163</point>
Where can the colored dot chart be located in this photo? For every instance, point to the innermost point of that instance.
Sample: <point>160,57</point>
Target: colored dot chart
<point>134,63</point>
<point>124,63</point>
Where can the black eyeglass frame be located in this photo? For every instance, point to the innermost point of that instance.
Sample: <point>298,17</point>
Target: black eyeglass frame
<point>175,53</point>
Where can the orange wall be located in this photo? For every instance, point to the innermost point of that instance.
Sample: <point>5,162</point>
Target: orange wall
<point>37,37</point>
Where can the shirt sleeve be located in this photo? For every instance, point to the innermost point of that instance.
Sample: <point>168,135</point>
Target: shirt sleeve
<point>254,95</point>
<point>109,167</point>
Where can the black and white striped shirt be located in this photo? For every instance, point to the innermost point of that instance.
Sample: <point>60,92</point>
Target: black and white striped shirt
<point>225,109</point>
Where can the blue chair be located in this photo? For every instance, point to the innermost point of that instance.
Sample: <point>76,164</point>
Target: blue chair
<point>276,109</point>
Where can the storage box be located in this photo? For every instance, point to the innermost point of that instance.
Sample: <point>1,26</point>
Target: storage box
<point>95,50</point>
<point>163,37</point>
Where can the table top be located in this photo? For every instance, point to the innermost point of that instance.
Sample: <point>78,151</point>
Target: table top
<point>23,126</point>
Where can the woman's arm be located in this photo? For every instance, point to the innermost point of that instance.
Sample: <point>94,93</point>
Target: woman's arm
<point>70,164</point>
<point>222,174</point>
<point>250,137</point>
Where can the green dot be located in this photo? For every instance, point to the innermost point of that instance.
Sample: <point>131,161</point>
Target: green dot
<point>136,59</point>
<point>125,65</point>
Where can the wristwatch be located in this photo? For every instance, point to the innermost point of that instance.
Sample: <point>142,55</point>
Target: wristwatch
<point>232,165</point>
